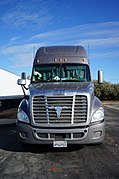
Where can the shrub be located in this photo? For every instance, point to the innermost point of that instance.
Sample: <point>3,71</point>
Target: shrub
<point>106,91</point>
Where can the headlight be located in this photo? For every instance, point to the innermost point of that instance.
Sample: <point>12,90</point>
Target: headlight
<point>22,116</point>
<point>98,115</point>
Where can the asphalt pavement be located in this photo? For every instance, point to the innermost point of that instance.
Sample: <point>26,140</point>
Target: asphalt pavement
<point>45,162</point>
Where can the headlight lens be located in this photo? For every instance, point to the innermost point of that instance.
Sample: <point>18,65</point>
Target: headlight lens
<point>98,115</point>
<point>22,116</point>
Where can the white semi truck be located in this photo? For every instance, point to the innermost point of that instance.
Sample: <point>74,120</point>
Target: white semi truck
<point>61,107</point>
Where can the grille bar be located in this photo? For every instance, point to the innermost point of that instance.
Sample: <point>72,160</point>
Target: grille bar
<point>60,109</point>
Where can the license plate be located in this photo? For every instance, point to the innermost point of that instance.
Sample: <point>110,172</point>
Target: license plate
<point>59,143</point>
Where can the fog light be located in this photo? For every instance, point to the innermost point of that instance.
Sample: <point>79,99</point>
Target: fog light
<point>98,134</point>
<point>23,134</point>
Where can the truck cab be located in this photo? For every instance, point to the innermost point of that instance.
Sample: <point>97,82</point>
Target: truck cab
<point>61,108</point>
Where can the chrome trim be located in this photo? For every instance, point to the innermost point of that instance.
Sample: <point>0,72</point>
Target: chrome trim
<point>73,110</point>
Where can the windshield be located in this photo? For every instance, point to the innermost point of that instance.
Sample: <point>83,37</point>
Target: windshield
<point>60,72</point>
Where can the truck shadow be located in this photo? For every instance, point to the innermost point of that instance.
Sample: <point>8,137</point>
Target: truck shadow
<point>9,142</point>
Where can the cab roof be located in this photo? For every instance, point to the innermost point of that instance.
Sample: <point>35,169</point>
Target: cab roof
<point>71,54</point>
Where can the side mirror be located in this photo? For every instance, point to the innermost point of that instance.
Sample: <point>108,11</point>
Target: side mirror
<point>100,77</point>
<point>22,81</point>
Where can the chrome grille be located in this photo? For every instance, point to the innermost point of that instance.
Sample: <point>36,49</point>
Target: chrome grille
<point>60,109</point>
<point>80,109</point>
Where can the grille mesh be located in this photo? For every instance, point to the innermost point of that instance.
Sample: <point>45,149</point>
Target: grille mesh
<point>60,109</point>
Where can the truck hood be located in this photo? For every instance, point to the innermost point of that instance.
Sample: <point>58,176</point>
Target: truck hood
<point>62,86</point>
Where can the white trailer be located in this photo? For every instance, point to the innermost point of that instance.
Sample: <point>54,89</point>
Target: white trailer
<point>8,86</point>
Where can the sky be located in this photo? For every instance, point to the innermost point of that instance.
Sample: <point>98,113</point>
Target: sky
<point>27,25</point>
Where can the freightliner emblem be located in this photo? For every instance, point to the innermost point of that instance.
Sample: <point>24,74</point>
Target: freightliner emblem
<point>58,109</point>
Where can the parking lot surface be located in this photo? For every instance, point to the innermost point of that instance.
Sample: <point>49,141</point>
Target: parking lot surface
<point>45,162</point>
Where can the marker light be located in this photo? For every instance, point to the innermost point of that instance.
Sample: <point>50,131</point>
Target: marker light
<point>83,60</point>
<point>60,59</point>
<point>38,61</point>
<point>65,60</point>
<point>55,60</point>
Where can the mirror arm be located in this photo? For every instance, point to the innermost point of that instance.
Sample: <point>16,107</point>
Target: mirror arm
<point>25,87</point>
<point>23,90</point>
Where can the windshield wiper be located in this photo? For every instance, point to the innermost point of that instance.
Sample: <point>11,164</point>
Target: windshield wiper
<point>75,80</point>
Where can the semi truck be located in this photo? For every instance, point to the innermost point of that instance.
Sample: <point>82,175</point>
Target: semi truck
<point>60,107</point>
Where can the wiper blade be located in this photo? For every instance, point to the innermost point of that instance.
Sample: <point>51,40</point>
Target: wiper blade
<point>75,80</point>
